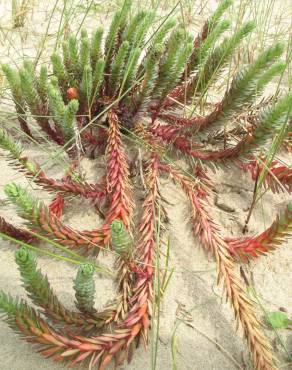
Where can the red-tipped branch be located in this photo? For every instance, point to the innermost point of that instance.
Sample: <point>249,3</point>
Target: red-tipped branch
<point>98,140</point>
<point>65,186</point>
<point>278,177</point>
<point>231,153</point>
<point>247,248</point>
<point>15,232</point>
<point>119,188</point>
<point>187,147</point>
<point>89,242</point>
<point>177,93</point>
<point>141,310</point>
<point>84,189</point>
<point>170,134</point>
<point>208,232</point>
<point>195,122</point>
<point>182,122</point>
<point>49,225</point>
<point>166,132</point>
<point>57,205</point>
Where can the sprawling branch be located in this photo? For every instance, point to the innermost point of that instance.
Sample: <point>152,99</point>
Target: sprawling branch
<point>15,232</point>
<point>118,184</point>
<point>66,186</point>
<point>47,223</point>
<point>208,232</point>
<point>170,134</point>
<point>188,147</point>
<point>250,247</point>
<point>104,348</point>
<point>278,177</point>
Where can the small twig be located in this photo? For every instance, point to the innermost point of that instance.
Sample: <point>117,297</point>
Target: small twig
<point>141,168</point>
<point>254,198</point>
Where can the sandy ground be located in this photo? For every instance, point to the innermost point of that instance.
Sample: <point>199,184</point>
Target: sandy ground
<point>209,339</point>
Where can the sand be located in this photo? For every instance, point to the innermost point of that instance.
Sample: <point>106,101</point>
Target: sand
<point>208,340</point>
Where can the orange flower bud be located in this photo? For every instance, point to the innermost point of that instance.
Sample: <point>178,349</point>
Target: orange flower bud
<point>72,93</point>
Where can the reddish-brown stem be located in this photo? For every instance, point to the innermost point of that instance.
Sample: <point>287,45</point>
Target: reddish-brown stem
<point>22,121</point>
<point>66,185</point>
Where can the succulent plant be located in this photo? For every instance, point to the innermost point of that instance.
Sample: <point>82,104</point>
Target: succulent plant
<point>124,95</point>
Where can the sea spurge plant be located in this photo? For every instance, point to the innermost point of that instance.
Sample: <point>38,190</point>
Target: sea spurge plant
<point>118,95</point>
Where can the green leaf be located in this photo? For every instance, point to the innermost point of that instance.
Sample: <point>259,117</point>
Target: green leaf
<point>277,320</point>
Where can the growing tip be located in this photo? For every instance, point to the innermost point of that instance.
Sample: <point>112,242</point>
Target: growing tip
<point>43,69</point>
<point>22,255</point>
<point>225,24</point>
<point>54,82</point>
<point>5,67</point>
<point>279,48</point>
<point>249,26</point>
<point>226,3</point>
<point>12,190</point>
<point>74,105</point>
<point>87,269</point>
<point>117,225</point>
